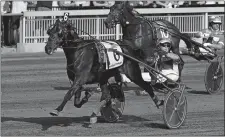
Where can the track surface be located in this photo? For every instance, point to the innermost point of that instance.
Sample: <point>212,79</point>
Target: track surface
<point>34,84</point>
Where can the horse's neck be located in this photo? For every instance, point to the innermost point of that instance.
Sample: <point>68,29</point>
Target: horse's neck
<point>136,29</point>
<point>69,53</point>
<point>138,33</point>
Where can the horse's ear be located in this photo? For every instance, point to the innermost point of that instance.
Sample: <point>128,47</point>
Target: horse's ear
<point>57,21</point>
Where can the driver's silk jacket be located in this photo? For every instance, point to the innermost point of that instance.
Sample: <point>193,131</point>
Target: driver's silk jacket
<point>211,36</point>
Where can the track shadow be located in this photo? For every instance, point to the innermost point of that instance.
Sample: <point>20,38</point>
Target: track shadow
<point>204,92</point>
<point>198,92</point>
<point>142,122</point>
<point>125,88</point>
<point>61,88</point>
<point>156,125</point>
<point>47,122</point>
<point>94,89</point>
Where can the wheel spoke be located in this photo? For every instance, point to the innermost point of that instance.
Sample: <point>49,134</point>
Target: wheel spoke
<point>213,85</point>
<point>181,103</point>
<point>169,106</point>
<point>171,115</point>
<point>178,102</point>
<point>219,76</point>
<point>216,85</point>
<point>178,116</point>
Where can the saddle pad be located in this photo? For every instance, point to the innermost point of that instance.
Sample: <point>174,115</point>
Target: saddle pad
<point>114,59</point>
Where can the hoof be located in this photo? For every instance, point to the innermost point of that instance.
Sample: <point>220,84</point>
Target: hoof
<point>93,120</point>
<point>98,89</point>
<point>54,113</point>
<point>159,103</point>
<point>143,93</point>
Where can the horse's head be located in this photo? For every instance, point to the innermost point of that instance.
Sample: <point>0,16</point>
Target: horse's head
<point>59,34</point>
<point>119,14</point>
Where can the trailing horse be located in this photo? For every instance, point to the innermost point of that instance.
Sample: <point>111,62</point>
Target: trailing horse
<point>83,59</point>
<point>142,34</point>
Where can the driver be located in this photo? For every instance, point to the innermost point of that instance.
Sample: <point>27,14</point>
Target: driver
<point>213,38</point>
<point>167,61</point>
<point>167,64</point>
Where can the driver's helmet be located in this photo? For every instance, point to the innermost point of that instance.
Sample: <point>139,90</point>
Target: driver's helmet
<point>164,41</point>
<point>215,19</point>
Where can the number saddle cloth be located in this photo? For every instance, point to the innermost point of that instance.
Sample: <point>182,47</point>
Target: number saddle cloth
<point>107,57</point>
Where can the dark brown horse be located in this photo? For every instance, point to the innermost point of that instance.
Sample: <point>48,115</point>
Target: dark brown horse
<point>142,34</point>
<point>83,59</point>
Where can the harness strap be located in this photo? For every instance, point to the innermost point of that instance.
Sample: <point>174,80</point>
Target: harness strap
<point>102,55</point>
<point>154,32</point>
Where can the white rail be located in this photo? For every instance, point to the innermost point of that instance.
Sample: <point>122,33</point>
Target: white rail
<point>188,20</point>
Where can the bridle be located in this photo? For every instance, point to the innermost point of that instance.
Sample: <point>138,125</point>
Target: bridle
<point>65,32</point>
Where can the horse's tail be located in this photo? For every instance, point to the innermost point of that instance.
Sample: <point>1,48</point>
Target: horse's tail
<point>187,39</point>
<point>165,24</point>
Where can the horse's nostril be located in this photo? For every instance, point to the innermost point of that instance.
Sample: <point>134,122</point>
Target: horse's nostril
<point>47,50</point>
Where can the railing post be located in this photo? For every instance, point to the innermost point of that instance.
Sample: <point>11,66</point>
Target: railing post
<point>169,17</point>
<point>117,31</point>
<point>206,19</point>
<point>23,31</point>
<point>97,27</point>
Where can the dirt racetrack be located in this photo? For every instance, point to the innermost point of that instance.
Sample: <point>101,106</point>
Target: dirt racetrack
<point>34,84</point>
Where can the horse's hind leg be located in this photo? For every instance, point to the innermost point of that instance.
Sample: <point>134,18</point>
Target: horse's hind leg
<point>180,67</point>
<point>133,72</point>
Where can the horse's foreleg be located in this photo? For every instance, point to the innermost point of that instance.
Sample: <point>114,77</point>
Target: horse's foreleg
<point>85,98</point>
<point>70,75</point>
<point>104,99</point>
<point>67,97</point>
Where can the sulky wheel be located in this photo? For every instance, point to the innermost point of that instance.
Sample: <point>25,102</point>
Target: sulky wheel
<point>114,108</point>
<point>213,78</point>
<point>174,109</point>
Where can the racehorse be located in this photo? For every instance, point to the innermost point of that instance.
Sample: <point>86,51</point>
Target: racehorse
<point>142,34</point>
<point>83,59</point>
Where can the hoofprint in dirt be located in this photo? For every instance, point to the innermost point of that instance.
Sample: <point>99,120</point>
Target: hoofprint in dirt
<point>30,90</point>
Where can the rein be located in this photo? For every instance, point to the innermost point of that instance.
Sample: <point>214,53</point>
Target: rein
<point>79,40</point>
<point>139,22</point>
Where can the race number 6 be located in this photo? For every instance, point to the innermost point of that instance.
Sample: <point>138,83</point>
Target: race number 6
<point>66,16</point>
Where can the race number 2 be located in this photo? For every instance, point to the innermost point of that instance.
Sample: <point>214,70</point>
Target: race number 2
<point>66,16</point>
